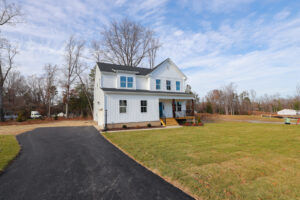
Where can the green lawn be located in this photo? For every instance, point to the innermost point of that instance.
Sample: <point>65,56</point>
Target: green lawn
<point>229,160</point>
<point>9,148</point>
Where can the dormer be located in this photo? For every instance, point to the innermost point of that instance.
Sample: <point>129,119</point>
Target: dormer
<point>165,77</point>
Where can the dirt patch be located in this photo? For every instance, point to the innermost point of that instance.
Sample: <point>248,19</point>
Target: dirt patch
<point>41,121</point>
<point>21,128</point>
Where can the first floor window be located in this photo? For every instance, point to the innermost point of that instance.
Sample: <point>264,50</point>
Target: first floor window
<point>129,82</point>
<point>168,84</point>
<point>123,106</point>
<point>177,85</point>
<point>178,106</point>
<point>143,106</point>
<point>157,84</point>
<point>123,81</point>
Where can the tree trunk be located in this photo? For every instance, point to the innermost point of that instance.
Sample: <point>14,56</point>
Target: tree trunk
<point>1,105</point>
<point>49,107</point>
<point>67,110</point>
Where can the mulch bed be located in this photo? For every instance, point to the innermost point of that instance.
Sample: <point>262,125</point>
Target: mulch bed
<point>133,128</point>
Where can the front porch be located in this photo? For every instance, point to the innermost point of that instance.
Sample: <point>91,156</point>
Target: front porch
<point>171,111</point>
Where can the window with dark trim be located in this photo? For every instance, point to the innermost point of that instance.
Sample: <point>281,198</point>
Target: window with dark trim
<point>168,85</point>
<point>123,106</point>
<point>143,106</point>
<point>123,81</point>
<point>178,106</point>
<point>177,85</point>
<point>158,84</point>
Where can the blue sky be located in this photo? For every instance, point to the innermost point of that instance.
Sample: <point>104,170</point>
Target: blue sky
<point>253,43</point>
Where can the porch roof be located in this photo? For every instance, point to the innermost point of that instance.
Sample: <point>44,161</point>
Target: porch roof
<point>159,93</point>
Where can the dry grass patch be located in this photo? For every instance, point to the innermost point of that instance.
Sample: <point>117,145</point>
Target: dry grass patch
<point>17,129</point>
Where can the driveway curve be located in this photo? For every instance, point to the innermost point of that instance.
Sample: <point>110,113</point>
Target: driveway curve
<point>78,163</point>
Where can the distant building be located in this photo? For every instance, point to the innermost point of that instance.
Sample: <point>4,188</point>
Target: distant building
<point>288,112</point>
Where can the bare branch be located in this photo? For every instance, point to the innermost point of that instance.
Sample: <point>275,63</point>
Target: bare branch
<point>129,43</point>
<point>9,13</point>
<point>73,63</point>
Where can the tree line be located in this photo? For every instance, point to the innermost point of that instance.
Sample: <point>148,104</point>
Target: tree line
<point>69,87</point>
<point>227,100</point>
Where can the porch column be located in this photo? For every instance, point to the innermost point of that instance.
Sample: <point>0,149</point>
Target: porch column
<point>173,107</point>
<point>193,108</point>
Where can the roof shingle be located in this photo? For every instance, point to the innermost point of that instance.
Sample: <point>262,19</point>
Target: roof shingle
<point>106,67</point>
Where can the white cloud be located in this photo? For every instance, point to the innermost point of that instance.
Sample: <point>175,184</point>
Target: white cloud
<point>251,51</point>
<point>216,6</point>
<point>282,15</point>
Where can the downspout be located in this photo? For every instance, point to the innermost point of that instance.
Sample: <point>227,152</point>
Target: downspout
<point>105,113</point>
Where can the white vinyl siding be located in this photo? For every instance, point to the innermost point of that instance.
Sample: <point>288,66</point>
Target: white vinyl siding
<point>133,109</point>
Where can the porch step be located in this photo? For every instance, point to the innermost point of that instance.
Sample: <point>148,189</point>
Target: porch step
<point>171,122</point>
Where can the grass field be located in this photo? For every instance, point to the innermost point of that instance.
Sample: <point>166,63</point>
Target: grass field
<point>229,160</point>
<point>9,148</point>
<point>246,118</point>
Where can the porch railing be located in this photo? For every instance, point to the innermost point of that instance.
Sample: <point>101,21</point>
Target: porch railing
<point>184,113</point>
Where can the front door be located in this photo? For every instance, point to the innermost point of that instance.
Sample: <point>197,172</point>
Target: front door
<point>161,108</point>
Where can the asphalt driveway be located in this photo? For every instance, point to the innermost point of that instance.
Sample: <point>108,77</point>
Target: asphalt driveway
<point>78,163</point>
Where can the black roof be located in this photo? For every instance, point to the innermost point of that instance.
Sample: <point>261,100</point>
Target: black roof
<point>107,67</point>
<point>146,91</point>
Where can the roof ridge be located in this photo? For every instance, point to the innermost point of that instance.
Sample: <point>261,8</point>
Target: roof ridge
<point>122,65</point>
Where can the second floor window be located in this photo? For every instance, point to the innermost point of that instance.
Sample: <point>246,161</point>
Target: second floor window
<point>123,106</point>
<point>126,82</point>
<point>168,85</point>
<point>143,106</point>
<point>157,84</point>
<point>123,81</point>
<point>177,85</point>
<point>129,82</point>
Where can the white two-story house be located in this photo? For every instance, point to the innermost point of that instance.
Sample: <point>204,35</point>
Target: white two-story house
<point>136,97</point>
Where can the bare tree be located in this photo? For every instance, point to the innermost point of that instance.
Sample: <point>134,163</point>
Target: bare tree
<point>85,88</point>
<point>96,51</point>
<point>9,13</point>
<point>36,91</point>
<point>50,78</point>
<point>229,98</point>
<point>7,56</point>
<point>154,46</point>
<point>128,43</point>
<point>73,54</point>
<point>298,91</point>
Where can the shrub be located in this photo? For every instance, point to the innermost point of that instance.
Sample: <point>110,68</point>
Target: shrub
<point>149,125</point>
<point>199,120</point>
<point>187,124</point>
<point>124,126</point>
<point>55,117</point>
<point>22,116</point>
